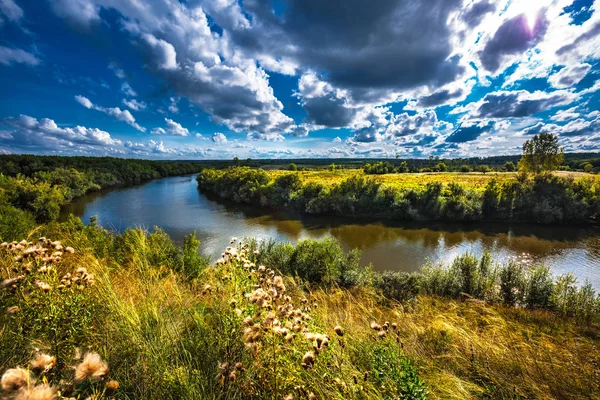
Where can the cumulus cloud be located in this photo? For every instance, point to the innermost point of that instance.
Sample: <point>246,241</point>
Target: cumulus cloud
<point>172,128</point>
<point>29,133</point>
<point>578,127</point>
<point>9,56</point>
<point>219,138</point>
<point>569,76</point>
<point>468,133</point>
<point>515,104</point>
<point>515,36</point>
<point>121,115</point>
<point>164,53</point>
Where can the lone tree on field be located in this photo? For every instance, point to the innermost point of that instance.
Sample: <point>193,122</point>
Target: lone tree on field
<point>541,153</point>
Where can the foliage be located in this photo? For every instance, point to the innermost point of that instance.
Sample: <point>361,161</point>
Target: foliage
<point>395,374</point>
<point>541,153</point>
<point>545,199</point>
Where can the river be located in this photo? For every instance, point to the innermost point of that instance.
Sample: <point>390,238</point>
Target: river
<point>176,205</point>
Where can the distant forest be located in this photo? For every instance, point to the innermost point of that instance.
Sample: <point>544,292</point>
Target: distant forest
<point>129,170</point>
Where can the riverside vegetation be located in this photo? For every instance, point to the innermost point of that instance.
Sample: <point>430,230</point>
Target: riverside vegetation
<point>91,313</point>
<point>543,198</point>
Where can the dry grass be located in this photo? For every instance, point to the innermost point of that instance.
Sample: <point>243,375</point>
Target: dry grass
<point>167,337</point>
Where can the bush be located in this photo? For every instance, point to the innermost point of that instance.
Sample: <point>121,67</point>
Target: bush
<point>192,261</point>
<point>14,223</point>
<point>395,374</point>
<point>512,283</point>
<point>400,286</point>
<point>540,286</point>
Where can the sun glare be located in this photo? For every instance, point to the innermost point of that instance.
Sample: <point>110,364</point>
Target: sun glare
<point>531,11</point>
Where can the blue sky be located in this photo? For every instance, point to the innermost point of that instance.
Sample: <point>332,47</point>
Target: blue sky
<point>211,79</point>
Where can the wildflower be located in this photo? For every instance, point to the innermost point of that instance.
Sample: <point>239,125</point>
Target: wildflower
<point>239,366</point>
<point>312,396</point>
<point>289,397</point>
<point>308,360</point>
<point>339,330</point>
<point>10,282</point>
<point>40,392</point>
<point>69,249</point>
<point>14,379</point>
<point>112,386</point>
<point>386,325</point>
<point>92,367</point>
<point>223,367</point>
<point>375,326</point>
<point>13,310</point>
<point>256,252</point>
<point>394,326</point>
<point>382,333</point>
<point>43,286</point>
<point>278,282</point>
<point>43,362</point>
<point>233,376</point>
<point>207,289</point>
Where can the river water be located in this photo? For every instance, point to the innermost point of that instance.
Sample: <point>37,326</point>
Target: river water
<point>176,205</point>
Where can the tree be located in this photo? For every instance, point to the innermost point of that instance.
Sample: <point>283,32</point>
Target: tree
<point>441,167</point>
<point>293,167</point>
<point>588,167</point>
<point>484,168</point>
<point>541,153</point>
<point>509,166</point>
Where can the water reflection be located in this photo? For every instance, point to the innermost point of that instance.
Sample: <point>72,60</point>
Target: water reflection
<point>176,205</point>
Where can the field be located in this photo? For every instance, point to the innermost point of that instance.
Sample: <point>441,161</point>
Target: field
<point>471,180</point>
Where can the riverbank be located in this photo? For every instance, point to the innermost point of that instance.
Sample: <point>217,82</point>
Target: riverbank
<point>541,199</point>
<point>168,325</point>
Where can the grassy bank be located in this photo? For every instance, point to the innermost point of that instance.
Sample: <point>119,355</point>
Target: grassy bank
<point>169,325</point>
<point>544,198</point>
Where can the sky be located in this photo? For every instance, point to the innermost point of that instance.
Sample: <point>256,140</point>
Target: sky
<point>217,79</point>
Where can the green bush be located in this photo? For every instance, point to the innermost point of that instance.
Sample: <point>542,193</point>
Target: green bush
<point>512,283</point>
<point>400,286</point>
<point>395,374</point>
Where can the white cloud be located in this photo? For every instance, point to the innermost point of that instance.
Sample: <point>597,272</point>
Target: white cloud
<point>121,115</point>
<point>569,76</point>
<point>118,71</point>
<point>134,104</point>
<point>11,10</point>
<point>45,134</point>
<point>219,138</point>
<point>125,88</point>
<point>10,56</point>
<point>173,128</point>
<point>164,52</point>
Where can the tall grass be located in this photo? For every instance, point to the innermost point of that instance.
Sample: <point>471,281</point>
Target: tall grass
<point>171,326</point>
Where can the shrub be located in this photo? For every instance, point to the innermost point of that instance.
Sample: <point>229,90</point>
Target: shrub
<point>192,261</point>
<point>395,374</point>
<point>512,283</point>
<point>540,286</point>
<point>400,286</point>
